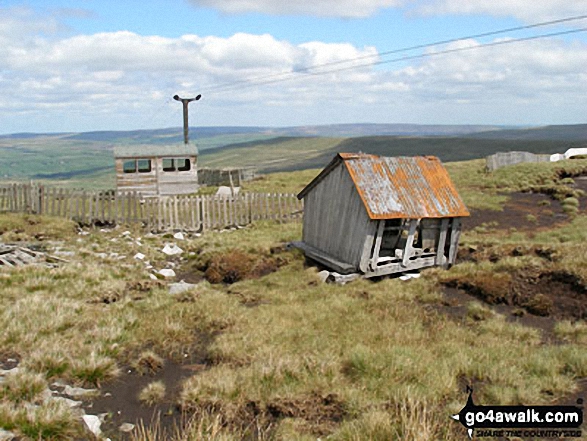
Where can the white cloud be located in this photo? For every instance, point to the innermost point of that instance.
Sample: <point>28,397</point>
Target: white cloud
<point>123,80</point>
<point>527,10</point>
<point>321,8</point>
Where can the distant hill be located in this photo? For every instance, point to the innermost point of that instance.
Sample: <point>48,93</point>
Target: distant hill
<point>359,130</point>
<point>86,160</point>
<point>299,153</point>
<point>576,132</point>
<point>175,134</point>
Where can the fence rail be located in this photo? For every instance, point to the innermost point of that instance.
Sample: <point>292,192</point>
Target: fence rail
<point>192,213</point>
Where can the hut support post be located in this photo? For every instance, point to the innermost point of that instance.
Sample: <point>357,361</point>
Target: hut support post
<point>440,258</point>
<point>377,247</point>
<point>367,247</point>
<point>455,234</point>
<point>409,242</point>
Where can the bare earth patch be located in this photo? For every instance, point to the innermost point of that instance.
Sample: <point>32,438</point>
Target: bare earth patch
<point>523,211</point>
<point>119,399</point>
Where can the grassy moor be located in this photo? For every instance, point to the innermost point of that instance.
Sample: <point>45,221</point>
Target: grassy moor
<point>258,347</point>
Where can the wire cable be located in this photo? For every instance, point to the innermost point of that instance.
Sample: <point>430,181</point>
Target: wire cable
<point>230,85</point>
<point>249,84</point>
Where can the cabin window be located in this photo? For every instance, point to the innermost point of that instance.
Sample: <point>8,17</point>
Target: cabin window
<point>168,165</point>
<point>176,164</point>
<point>129,166</point>
<point>144,165</point>
<point>183,164</point>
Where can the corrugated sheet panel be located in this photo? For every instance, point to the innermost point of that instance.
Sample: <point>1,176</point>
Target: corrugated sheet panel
<point>404,187</point>
<point>154,150</point>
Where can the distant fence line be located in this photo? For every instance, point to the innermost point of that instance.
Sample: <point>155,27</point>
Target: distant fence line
<point>225,176</point>
<point>192,213</point>
<point>504,159</point>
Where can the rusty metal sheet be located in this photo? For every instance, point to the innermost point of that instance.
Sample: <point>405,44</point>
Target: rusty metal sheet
<point>404,187</point>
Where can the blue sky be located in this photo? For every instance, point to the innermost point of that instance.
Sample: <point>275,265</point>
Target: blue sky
<point>112,65</point>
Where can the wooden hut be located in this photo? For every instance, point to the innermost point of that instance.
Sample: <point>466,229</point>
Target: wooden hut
<point>157,170</point>
<point>379,215</point>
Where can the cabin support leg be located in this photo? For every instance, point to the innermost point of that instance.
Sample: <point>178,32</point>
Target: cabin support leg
<point>409,242</point>
<point>365,263</point>
<point>441,260</point>
<point>455,234</point>
<point>377,248</point>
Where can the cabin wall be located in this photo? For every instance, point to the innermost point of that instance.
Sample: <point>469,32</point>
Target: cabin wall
<point>178,182</point>
<point>335,219</point>
<point>157,181</point>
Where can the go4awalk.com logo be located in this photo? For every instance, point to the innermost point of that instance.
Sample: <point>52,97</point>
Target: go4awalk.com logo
<point>521,421</point>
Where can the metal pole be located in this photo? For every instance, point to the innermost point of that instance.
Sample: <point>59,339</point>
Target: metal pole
<point>185,102</point>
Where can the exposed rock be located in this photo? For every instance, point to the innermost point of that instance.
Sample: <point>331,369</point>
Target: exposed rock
<point>5,435</point>
<point>323,276</point>
<point>224,191</point>
<point>126,427</point>
<point>342,279</point>
<point>408,276</point>
<point>139,256</point>
<point>72,404</point>
<point>4,372</point>
<point>78,392</point>
<point>58,384</point>
<point>179,236</point>
<point>167,273</point>
<point>178,288</point>
<point>171,249</point>
<point>93,424</point>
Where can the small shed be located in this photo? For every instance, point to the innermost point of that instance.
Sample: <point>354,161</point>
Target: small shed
<point>379,215</point>
<point>157,170</point>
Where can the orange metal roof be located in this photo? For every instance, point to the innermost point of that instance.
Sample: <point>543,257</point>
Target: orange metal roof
<point>400,187</point>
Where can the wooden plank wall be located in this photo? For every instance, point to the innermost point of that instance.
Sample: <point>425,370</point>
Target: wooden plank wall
<point>189,213</point>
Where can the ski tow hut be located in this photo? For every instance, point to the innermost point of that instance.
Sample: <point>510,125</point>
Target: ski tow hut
<point>380,215</point>
<point>157,170</point>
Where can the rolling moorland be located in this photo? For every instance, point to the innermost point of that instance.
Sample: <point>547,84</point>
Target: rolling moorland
<point>262,349</point>
<point>84,160</point>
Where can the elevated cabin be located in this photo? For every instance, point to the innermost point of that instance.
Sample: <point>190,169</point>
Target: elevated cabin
<point>378,215</point>
<point>157,170</point>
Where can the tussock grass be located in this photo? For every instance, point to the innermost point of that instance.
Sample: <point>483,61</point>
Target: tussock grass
<point>52,421</point>
<point>153,393</point>
<point>23,386</point>
<point>149,362</point>
<point>203,426</point>
<point>571,332</point>
<point>395,367</point>
<point>94,369</point>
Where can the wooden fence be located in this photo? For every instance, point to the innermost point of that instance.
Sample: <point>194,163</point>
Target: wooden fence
<point>192,213</point>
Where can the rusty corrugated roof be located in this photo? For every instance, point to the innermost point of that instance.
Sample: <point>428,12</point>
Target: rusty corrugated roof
<point>400,187</point>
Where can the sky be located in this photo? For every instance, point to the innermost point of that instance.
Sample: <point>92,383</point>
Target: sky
<point>85,65</point>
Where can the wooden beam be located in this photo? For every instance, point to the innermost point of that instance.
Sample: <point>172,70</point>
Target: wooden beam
<point>441,242</point>
<point>322,257</point>
<point>409,242</point>
<point>455,234</point>
<point>378,239</point>
<point>419,263</point>
<point>367,247</point>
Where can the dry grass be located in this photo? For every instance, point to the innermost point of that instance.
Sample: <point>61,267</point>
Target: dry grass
<point>279,345</point>
<point>153,393</point>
